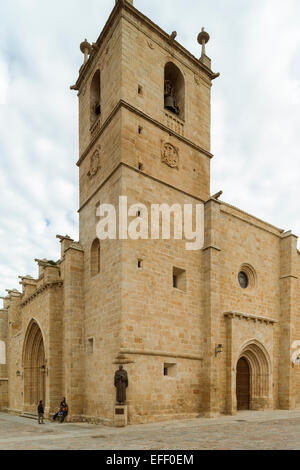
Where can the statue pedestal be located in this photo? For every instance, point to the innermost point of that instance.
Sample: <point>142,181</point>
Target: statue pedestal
<point>120,416</point>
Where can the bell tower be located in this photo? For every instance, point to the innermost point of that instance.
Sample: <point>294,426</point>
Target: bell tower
<point>144,133</point>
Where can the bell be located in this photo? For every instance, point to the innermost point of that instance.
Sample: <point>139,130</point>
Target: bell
<point>170,104</point>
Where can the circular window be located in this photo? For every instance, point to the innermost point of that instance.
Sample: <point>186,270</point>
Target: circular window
<point>243,280</point>
<point>247,277</point>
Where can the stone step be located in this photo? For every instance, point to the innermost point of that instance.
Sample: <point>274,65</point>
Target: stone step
<point>29,415</point>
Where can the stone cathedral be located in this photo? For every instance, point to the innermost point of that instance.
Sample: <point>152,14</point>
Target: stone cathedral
<point>199,333</point>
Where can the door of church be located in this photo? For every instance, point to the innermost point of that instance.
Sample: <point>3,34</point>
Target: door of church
<point>243,385</point>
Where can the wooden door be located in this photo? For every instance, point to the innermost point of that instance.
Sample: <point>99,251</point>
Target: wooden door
<point>243,385</point>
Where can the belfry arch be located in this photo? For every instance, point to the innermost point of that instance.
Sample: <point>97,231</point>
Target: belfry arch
<point>258,361</point>
<point>34,366</point>
<point>174,90</point>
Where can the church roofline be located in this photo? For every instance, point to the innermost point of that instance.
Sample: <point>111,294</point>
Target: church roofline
<point>123,4</point>
<point>279,231</point>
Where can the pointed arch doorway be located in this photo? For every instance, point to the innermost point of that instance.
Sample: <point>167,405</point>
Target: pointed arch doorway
<point>34,364</point>
<point>254,378</point>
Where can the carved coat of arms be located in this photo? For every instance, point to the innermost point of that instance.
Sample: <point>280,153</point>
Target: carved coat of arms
<point>169,154</point>
<point>94,164</point>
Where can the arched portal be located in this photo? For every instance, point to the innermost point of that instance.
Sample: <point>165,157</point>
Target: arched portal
<point>253,378</point>
<point>34,367</point>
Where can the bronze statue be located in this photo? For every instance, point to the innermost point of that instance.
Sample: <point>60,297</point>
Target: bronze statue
<point>121,382</point>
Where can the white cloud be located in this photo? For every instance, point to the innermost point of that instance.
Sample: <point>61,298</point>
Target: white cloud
<point>4,80</point>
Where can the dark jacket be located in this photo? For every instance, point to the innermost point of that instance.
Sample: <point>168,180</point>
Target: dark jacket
<point>40,409</point>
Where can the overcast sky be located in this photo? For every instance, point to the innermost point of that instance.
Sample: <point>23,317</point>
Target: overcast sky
<point>255,45</point>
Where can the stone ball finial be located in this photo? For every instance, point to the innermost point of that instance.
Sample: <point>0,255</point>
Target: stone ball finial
<point>85,46</point>
<point>86,49</point>
<point>203,37</point>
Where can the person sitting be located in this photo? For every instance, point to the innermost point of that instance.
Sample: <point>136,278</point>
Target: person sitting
<point>63,411</point>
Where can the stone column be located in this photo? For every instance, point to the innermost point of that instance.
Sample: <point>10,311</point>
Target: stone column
<point>73,324</point>
<point>54,343</point>
<point>288,314</point>
<point>211,309</point>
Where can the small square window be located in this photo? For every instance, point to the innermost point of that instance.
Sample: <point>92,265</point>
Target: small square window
<point>140,263</point>
<point>141,167</point>
<point>179,279</point>
<point>140,130</point>
<point>170,370</point>
<point>140,90</point>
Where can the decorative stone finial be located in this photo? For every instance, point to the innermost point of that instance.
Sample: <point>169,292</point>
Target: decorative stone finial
<point>173,35</point>
<point>86,49</point>
<point>203,39</point>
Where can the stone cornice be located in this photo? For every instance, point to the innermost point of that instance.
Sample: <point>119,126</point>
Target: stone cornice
<point>149,352</point>
<point>289,234</point>
<point>76,247</point>
<point>129,107</point>
<point>249,317</point>
<point>136,170</point>
<point>117,14</point>
<point>41,289</point>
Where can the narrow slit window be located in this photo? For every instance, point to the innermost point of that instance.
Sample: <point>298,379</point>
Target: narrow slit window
<point>90,345</point>
<point>95,257</point>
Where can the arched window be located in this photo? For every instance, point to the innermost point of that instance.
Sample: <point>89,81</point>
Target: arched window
<point>95,257</point>
<point>174,92</point>
<point>95,97</point>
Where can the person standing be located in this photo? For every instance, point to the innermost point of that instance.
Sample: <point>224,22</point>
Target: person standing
<point>41,412</point>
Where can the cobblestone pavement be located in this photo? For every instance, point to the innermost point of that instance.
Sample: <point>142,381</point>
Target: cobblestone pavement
<point>247,430</point>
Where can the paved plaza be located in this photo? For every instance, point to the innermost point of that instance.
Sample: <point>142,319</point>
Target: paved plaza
<point>247,430</point>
